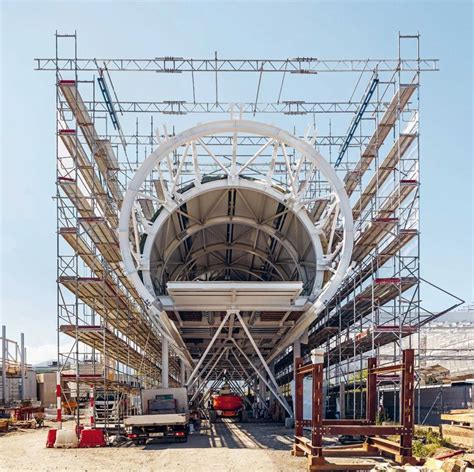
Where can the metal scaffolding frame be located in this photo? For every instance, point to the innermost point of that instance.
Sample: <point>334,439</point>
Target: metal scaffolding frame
<point>102,141</point>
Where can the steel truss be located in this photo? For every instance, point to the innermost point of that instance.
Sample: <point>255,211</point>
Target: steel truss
<point>286,107</point>
<point>302,65</point>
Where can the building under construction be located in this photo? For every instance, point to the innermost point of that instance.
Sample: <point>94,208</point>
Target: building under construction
<point>198,244</point>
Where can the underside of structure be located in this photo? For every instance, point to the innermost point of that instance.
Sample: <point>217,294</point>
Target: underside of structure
<point>211,250</point>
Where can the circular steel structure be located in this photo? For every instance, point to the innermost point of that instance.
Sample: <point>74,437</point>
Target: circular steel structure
<point>201,208</point>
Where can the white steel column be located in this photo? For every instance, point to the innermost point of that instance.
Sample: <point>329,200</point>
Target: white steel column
<point>255,390</point>
<point>4,364</point>
<point>296,353</point>
<point>22,365</point>
<point>182,367</point>
<point>272,397</point>
<point>204,382</point>
<point>164,363</point>
<point>211,360</point>
<point>296,349</point>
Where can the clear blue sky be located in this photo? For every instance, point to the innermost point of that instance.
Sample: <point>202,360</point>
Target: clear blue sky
<point>245,29</point>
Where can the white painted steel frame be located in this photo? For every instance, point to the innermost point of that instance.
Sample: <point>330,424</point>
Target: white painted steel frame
<point>293,201</point>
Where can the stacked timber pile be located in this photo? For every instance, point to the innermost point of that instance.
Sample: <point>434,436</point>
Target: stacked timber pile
<point>458,427</point>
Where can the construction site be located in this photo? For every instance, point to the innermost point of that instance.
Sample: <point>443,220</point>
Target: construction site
<point>250,265</point>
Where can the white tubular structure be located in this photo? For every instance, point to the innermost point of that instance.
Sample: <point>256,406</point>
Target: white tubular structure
<point>202,210</point>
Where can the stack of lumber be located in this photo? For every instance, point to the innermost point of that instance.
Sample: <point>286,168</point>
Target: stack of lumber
<point>458,427</point>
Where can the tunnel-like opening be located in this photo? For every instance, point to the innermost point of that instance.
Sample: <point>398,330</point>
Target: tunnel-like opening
<point>232,234</point>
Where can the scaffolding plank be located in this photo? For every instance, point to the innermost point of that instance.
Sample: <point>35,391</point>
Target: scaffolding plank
<point>397,104</point>
<point>102,297</point>
<point>76,104</point>
<point>109,168</point>
<point>360,306</point>
<point>101,149</point>
<point>384,170</point>
<point>118,349</point>
<point>369,338</point>
<point>90,177</point>
<point>367,268</point>
<point>384,223</point>
<point>99,381</point>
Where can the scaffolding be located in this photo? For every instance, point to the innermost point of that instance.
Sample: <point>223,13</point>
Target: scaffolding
<point>14,369</point>
<point>106,335</point>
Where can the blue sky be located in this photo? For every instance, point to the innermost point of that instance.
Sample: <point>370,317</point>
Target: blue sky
<point>245,29</point>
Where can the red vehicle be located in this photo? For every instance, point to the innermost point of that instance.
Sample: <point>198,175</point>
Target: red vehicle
<point>226,404</point>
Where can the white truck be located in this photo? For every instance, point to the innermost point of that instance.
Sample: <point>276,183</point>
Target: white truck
<point>166,417</point>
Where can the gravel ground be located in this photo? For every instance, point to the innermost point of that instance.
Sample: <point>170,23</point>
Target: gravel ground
<point>225,447</point>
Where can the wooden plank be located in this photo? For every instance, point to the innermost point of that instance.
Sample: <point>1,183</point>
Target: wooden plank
<point>462,418</point>
<point>464,431</point>
<point>388,368</point>
<point>468,411</point>
<point>459,435</point>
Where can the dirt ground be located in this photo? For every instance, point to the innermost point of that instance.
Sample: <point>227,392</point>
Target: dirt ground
<point>225,447</point>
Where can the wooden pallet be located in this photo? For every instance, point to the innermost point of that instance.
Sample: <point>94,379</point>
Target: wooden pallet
<point>458,427</point>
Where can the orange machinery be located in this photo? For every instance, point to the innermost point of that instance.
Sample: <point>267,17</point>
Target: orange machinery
<point>226,403</point>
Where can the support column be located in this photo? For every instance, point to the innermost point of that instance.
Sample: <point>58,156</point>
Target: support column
<point>298,405</point>
<point>262,389</point>
<point>296,358</point>
<point>407,405</point>
<point>317,416</point>
<point>296,349</point>
<point>272,397</point>
<point>164,363</point>
<point>342,400</point>
<point>371,400</point>
<point>22,365</point>
<point>263,395</point>
<point>4,364</point>
<point>182,366</point>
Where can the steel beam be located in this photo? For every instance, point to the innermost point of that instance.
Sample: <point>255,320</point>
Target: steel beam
<point>257,393</point>
<point>177,65</point>
<point>190,385</point>
<point>257,350</point>
<point>292,107</point>
<point>216,334</point>
<point>208,374</point>
<point>277,394</point>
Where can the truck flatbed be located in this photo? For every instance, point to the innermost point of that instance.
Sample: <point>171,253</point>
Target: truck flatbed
<point>156,420</point>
